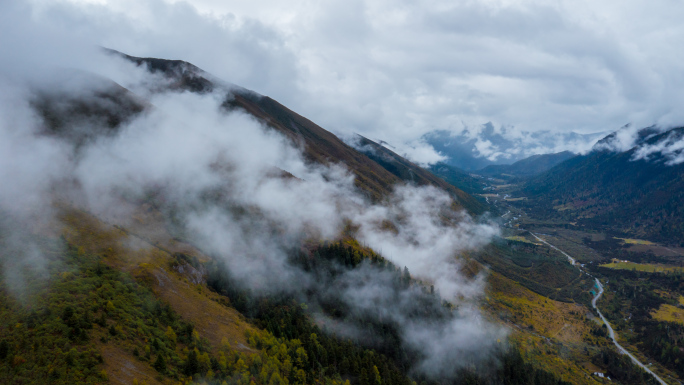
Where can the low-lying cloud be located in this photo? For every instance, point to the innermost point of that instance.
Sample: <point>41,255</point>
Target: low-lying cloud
<point>240,190</point>
<point>654,143</point>
<point>670,149</point>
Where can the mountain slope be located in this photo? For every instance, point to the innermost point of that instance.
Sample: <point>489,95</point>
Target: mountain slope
<point>80,117</point>
<point>622,191</point>
<point>318,145</point>
<point>407,171</point>
<point>458,178</point>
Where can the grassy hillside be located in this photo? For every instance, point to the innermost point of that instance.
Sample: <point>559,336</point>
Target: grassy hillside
<point>564,338</point>
<point>109,313</point>
<point>556,335</point>
<point>115,314</point>
<point>120,307</point>
<point>537,268</point>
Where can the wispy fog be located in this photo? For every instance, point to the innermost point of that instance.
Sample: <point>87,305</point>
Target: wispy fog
<point>671,148</point>
<point>91,130</point>
<point>655,143</point>
<point>239,190</point>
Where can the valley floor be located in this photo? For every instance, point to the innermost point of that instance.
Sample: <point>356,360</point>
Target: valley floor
<point>650,270</point>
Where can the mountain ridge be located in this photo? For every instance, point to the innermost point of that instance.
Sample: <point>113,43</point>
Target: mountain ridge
<point>319,145</point>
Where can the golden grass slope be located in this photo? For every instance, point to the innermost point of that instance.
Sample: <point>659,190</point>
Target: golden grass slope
<point>123,368</point>
<point>645,267</point>
<point>518,238</point>
<point>552,333</point>
<point>151,264</point>
<point>669,313</point>
<point>632,241</point>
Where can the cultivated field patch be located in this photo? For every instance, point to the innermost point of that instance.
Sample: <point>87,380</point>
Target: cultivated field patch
<point>632,241</point>
<point>669,313</point>
<point>645,267</point>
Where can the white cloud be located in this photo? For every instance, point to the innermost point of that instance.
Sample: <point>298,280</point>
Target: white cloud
<point>396,70</point>
<point>671,148</point>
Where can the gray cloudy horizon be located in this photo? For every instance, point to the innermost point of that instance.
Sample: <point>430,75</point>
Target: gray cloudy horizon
<point>396,71</point>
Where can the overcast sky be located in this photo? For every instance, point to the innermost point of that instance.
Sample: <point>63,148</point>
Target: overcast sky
<point>394,70</point>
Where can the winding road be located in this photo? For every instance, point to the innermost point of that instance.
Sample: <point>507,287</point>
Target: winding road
<point>611,333</point>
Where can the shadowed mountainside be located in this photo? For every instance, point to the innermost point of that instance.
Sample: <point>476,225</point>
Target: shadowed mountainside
<point>407,171</point>
<point>93,111</point>
<point>458,178</point>
<point>533,165</point>
<point>615,190</point>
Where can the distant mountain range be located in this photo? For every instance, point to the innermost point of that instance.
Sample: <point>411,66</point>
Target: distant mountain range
<point>473,182</point>
<point>473,150</point>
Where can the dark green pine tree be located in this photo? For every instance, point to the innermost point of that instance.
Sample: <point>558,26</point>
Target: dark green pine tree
<point>407,277</point>
<point>4,350</point>
<point>192,364</point>
<point>160,364</point>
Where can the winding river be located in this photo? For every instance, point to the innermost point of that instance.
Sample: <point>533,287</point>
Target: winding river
<point>611,333</point>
